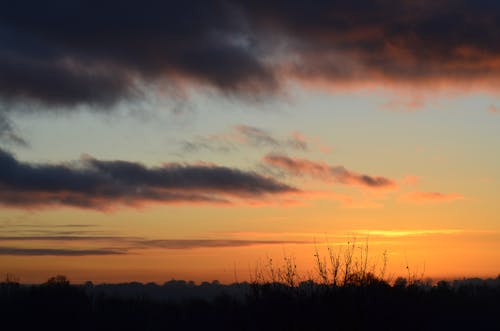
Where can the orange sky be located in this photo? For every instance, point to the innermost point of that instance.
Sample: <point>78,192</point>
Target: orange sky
<point>159,149</point>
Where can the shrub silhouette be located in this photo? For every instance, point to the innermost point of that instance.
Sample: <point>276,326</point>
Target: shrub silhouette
<point>347,293</point>
<point>364,303</point>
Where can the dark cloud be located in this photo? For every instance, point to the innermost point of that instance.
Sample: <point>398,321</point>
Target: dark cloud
<point>57,251</point>
<point>345,176</point>
<point>92,183</point>
<point>404,41</point>
<point>127,242</point>
<point>327,172</point>
<point>75,52</point>
<point>47,226</point>
<point>209,243</point>
<point>80,237</point>
<point>68,53</point>
<point>122,245</point>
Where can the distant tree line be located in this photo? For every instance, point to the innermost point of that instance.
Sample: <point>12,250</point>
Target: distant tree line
<point>371,304</point>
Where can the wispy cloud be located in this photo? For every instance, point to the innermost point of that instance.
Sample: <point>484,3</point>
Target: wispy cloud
<point>9,134</point>
<point>245,135</point>
<point>410,180</point>
<point>429,197</point>
<point>57,251</point>
<point>82,236</point>
<point>323,171</point>
<point>404,103</point>
<point>92,183</point>
<point>119,245</point>
<point>408,233</point>
<point>494,109</point>
<point>210,243</point>
<point>255,136</point>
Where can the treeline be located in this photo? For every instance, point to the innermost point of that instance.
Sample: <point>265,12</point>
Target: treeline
<point>370,304</point>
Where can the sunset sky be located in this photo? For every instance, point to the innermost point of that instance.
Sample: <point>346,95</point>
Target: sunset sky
<point>151,140</point>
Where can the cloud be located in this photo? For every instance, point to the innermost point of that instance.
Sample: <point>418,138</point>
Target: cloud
<point>8,133</point>
<point>92,183</point>
<point>494,109</point>
<point>140,243</point>
<point>245,135</point>
<point>123,245</point>
<point>298,141</point>
<point>409,233</point>
<point>323,171</point>
<point>413,42</point>
<point>210,243</point>
<point>410,180</point>
<point>56,251</point>
<point>261,138</point>
<point>52,54</point>
<point>207,143</point>
<point>81,236</point>
<point>255,136</point>
<point>345,200</point>
<point>404,103</point>
<point>426,197</point>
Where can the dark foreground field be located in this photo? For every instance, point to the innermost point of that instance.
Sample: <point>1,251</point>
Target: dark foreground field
<point>178,305</point>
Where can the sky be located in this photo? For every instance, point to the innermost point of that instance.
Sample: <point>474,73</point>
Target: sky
<point>197,140</point>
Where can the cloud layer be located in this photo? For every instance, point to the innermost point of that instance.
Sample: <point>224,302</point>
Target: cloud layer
<point>71,53</point>
<point>120,245</point>
<point>92,183</point>
<point>68,53</point>
<point>56,251</point>
<point>323,171</point>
